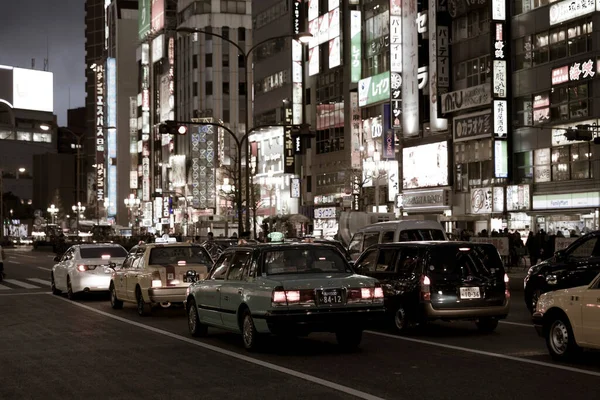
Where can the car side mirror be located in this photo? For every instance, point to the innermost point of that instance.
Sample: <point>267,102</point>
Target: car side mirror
<point>57,258</point>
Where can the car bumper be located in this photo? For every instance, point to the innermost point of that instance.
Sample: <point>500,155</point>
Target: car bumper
<point>175,294</point>
<point>499,312</point>
<point>91,282</point>
<point>322,320</point>
<point>538,322</point>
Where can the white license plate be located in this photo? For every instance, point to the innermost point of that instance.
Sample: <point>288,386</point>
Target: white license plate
<point>469,293</point>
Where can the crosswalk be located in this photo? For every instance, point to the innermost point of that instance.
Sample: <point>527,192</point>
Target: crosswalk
<point>28,283</point>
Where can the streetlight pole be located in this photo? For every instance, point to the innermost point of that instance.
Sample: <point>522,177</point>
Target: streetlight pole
<point>303,38</point>
<point>78,209</point>
<point>132,202</point>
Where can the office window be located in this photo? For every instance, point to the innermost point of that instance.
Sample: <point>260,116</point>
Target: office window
<point>225,60</point>
<point>524,163</point>
<point>571,162</point>
<point>226,116</point>
<point>195,61</point>
<point>208,58</point>
<point>540,49</point>
<point>241,34</point>
<point>195,89</point>
<point>242,89</point>
<point>225,87</point>
<point>570,102</point>
<point>523,52</point>
<point>209,88</point>
<point>474,72</point>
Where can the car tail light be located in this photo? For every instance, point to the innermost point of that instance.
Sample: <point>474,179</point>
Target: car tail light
<point>506,286</point>
<point>365,295</point>
<point>425,288</point>
<point>156,283</point>
<point>283,297</point>
<point>82,268</point>
<point>378,293</point>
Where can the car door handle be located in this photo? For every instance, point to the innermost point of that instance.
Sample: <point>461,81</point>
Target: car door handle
<point>240,290</point>
<point>226,298</point>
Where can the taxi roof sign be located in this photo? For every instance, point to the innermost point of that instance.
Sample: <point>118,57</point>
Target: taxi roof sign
<point>165,239</point>
<point>276,237</point>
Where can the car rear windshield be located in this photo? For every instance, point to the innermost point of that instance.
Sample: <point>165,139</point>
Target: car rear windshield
<point>98,252</point>
<point>304,261</point>
<point>415,235</point>
<point>462,262</point>
<point>176,254</point>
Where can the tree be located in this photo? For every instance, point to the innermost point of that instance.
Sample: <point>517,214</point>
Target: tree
<point>356,181</point>
<point>228,193</point>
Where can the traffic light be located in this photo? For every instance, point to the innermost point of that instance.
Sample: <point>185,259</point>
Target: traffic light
<point>172,128</point>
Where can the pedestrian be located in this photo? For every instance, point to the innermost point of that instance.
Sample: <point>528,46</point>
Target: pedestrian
<point>211,237</point>
<point>533,247</point>
<point>2,258</point>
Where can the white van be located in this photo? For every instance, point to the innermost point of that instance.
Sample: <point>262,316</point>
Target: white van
<point>395,231</point>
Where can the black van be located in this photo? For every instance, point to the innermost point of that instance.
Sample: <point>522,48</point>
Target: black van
<point>439,280</point>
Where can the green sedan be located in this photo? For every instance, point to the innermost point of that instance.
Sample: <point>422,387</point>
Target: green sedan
<point>284,289</point>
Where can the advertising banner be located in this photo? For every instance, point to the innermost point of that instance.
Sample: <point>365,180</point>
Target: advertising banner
<point>143,18</point>
<point>500,243</point>
<point>355,44</point>
<point>439,66</point>
<point>473,126</point>
<point>100,118</point>
<point>111,137</point>
<point>203,153</point>
<point>518,198</point>
<point>481,200</point>
<point>374,89</point>
<point>389,145</point>
<point>425,165</point>
<point>410,64</point>
<point>465,99</point>
<point>568,9</point>
<point>158,15</point>
<point>356,130</point>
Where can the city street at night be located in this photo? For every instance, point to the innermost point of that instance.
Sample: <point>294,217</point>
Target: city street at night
<point>52,348</point>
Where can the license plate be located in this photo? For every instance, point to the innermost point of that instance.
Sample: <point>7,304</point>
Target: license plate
<point>469,293</point>
<point>331,297</point>
<point>190,279</point>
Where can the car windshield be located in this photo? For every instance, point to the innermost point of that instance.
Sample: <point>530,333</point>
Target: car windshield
<point>177,254</point>
<point>415,235</point>
<point>102,252</point>
<point>465,261</point>
<point>307,260</point>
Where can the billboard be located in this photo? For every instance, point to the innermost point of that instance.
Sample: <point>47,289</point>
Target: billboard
<point>33,90</point>
<point>100,172</point>
<point>203,154</point>
<point>158,15</point>
<point>143,18</point>
<point>355,45</point>
<point>409,59</point>
<point>425,165</point>
<point>439,64</point>
<point>374,89</point>
<point>111,133</point>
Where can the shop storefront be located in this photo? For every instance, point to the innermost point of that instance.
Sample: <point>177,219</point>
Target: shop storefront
<point>567,212</point>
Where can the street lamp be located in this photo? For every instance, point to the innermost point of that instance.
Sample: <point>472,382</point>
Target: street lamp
<point>304,38</point>
<point>78,209</point>
<point>132,203</point>
<point>53,211</point>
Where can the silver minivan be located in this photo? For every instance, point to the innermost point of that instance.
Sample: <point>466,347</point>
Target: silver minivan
<point>395,231</point>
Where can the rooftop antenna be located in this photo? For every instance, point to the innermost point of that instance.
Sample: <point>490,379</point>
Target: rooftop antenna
<point>33,63</point>
<point>47,59</point>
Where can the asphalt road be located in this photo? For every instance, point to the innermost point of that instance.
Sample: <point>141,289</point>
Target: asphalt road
<point>52,348</point>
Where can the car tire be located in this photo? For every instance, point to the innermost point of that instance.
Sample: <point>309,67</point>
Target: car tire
<point>70,294</point>
<point>250,336</point>
<point>196,328</point>
<point>115,303</point>
<point>401,321</point>
<point>144,309</point>
<point>560,339</point>
<point>487,325</point>
<point>349,339</point>
<point>55,291</point>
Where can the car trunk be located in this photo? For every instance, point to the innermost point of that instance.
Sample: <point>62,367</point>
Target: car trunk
<point>466,277</point>
<point>177,274</point>
<point>98,266</point>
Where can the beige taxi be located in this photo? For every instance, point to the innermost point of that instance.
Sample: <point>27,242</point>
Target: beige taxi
<point>569,319</point>
<point>158,274</point>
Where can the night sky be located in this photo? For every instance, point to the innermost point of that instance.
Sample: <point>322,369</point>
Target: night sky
<point>33,28</point>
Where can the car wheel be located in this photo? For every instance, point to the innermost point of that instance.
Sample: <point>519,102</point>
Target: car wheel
<point>115,303</point>
<point>196,328</point>
<point>487,325</point>
<point>535,297</point>
<point>349,339</point>
<point>401,322</point>
<point>249,334</point>
<point>55,291</point>
<point>144,309</point>
<point>70,294</point>
<point>560,339</point>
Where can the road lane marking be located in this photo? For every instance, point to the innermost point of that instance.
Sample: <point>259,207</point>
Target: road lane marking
<point>274,367</point>
<point>21,284</point>
<point>42,281</point>
<point>24,294</point>
<point>15,262</point>
<point>45,269</point>
<point>488,353</point>
<point>516,324</point>
<point>2,287</point>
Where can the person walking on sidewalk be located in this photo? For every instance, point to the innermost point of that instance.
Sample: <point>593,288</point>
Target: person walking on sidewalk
<point>533,246</point>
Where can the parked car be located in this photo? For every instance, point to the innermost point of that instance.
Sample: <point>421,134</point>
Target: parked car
<point>286,288</point>
<point>569,319</point>
<point>394,231</point>
<point>337,244</point>
<point>439,280</point>
<point>577,265</point>
<point>158,274</point>
<point>86,268</point>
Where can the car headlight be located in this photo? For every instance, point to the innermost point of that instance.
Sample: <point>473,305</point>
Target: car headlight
<point>551,279</point>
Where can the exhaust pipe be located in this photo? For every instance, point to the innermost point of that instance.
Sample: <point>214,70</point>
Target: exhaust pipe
<point>165,304</point>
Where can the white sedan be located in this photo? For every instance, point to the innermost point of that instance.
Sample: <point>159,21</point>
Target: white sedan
<point>86,268</point>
